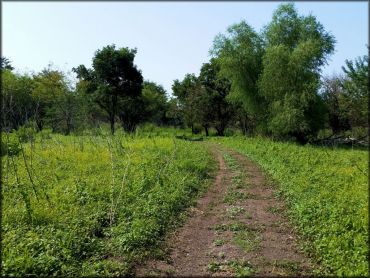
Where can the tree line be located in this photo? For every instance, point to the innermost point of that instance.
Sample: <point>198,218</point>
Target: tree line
<point>268,82</point>
<point>112,91</point>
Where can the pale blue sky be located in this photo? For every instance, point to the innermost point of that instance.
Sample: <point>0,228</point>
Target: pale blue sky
<point>172,38</point>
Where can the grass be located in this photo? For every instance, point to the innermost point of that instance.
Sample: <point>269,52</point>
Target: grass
<point>247,240</point>
<point>275,210</point>
<point>288,267</point>
<point>233,211</point>
<point>233,197</point>
<point>219,242</point>
<point>94,204</point>
<point>239,268</point>
<point>326,191</point>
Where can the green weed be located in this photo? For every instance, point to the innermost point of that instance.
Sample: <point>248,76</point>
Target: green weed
<point>326,191</point>
<point>93,204</point>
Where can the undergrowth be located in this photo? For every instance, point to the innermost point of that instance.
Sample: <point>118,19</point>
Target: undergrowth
<point>93,204</point>
<point>326,190</point>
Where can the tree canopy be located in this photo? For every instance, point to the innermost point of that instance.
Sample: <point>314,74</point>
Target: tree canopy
<point>113,80</point>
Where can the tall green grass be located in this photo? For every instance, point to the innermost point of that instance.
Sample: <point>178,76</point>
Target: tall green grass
<point>327,193</point>
<point>94,204</point>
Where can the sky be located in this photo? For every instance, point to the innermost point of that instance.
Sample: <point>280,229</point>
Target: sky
<point>172,38</point>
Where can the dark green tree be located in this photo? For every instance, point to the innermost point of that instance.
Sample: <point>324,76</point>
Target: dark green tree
<point>174,114</point>
<point>213,108</point>
<point>5,64</point>
<point>356,91</point>
<point>186,92</point>
<point>333,94</point>
<point>155,103</point>
<point>114,81</point>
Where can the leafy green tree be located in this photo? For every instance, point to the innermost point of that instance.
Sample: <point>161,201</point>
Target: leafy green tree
<point>155,102</point>
<point>333,94</point>
<point>356,91</point>
<point>296,49</point>
<point>5,64</point>
<point>131,113</point>
<point>17,105</point>
<point>67,113</point>
<point>115,82</point>
<point>186,91</point>
<point>174,114</point>
<point>239,53</point>
<point>213,108</point>
<point>50,86</point>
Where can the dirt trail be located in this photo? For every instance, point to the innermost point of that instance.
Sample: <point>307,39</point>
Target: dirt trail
<point>236,228</point>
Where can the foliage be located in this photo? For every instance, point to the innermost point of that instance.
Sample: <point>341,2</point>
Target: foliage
<point>202,99</point>
<point>115,83</point>
<point>327,194</point>
<point>185,91</point>
<point>278,69</point>
<point>213,108</point>
<point>296,49</point>
<point>155,102</point>
<point>17,105</point>
<point>239,55</point>
<point>94,205</point>
<point>332,95</point>
<point>356,91</point>
<point>5,64</point>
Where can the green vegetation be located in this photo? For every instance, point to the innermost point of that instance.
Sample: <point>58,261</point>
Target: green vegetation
<point>240,269</point>
<point>288,267</point>
<point>327,195</point>
<point>233,211</point>
<point>94,204</point>
<point>219,242</point>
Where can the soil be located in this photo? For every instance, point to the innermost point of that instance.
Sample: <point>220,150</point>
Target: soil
<point>238,227</point>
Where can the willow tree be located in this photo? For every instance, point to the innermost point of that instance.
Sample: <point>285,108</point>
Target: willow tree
<point>296,48</point>
<point>239,54</point>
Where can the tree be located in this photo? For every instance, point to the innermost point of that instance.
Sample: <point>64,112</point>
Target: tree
<point>115,82</point>
<point>213,108</point>
<point>155,103</point>
<point>296,49</point>
<point>17,104</point>
<point>333,94</point>
<point>356,91</point>
<point>174,114</point>
<point>5,64</point>
<point>50,86</point>
<point>239,54</point>
<point>186,91</point>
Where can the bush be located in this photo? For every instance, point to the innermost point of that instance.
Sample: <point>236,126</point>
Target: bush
<point>10,144</point>
<point>26,134</point>
<point>96,203</point>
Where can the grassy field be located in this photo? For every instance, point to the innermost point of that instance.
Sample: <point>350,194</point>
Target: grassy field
<point>94,204</point>
<point>326,191</point>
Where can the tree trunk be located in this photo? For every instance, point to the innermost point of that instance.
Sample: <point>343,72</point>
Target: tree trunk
<point>220,131</point>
